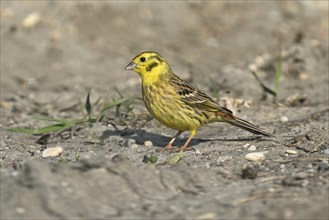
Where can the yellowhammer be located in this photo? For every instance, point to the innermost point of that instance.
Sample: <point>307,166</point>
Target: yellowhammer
<point>175,103</point>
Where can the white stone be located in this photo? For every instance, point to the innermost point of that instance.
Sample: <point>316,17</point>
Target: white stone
<point>52,152</point>
<point>128,142</point>
<point>284,119</point>
<point>222,159</point>
<point>326,151</point>
<point>303,76</point>
<point>197,152</point>
<point>293,152</point>
<point>20,210</point>
<point>255,156</point>
<point>209,215</point>
<point>252,148</point>
<point>31,20</point>
<point>134,146</point>
<point>148,143</point>
<point>246,145</point>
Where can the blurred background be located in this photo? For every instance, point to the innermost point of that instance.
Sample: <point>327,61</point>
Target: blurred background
<point>60,49</point>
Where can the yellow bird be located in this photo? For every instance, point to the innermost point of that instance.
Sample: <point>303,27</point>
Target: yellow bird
<point>177,104</point>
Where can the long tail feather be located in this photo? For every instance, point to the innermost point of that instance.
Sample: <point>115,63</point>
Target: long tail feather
<point>248,126</point>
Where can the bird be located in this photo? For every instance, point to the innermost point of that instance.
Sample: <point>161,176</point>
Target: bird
<point>176,104</point>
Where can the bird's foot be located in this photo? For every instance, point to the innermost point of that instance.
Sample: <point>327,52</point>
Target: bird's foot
<point>174,149</point>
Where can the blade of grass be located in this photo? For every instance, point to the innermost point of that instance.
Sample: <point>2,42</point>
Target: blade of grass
<point>113,104</point>
<point>63,125</point>
<point>88,105</point>
<point>278,72</point>
<point>43,130</point>
<point>97,101</point>
<point>265,88</point>
<point>45,118</point>
<point>129,107</point>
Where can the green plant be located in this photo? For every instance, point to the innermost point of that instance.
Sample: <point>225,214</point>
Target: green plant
<point>94,113</point>
<point>278,73</point>
<point>277,77</point>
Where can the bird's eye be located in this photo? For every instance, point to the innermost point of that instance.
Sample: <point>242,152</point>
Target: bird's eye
<point>142,59</point>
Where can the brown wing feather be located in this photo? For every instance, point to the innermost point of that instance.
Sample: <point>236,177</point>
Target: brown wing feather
<point>195,97</point>
<point>200,100</point>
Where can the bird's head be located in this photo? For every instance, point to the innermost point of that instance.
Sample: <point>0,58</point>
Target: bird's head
<point>150,66</point>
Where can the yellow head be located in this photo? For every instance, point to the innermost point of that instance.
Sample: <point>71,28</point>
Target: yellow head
<point>150,66</point>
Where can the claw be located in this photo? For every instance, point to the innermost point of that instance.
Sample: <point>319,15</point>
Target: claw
<point>174,149</point>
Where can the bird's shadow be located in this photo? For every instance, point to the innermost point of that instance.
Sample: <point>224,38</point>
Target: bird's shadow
<point>160,140</point>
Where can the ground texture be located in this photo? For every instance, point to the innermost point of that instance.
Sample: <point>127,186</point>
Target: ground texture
<point>50,61</point>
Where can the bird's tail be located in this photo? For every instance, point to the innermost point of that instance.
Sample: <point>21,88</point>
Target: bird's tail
<point>248,126</point>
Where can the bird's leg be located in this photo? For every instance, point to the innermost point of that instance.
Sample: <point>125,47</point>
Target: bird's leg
<point>169,146</point>
<point>185,146</point>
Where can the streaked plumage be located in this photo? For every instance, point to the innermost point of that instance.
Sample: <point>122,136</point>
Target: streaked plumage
<point>177,104</point>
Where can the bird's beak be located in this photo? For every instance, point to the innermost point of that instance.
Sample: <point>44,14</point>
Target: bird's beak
<point>131,66</point>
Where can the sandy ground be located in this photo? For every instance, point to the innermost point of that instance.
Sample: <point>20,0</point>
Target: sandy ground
<point>50,60</point>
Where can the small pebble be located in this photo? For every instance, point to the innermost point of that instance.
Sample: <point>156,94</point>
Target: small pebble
<point>33,150</point>
<point>115,138</point>
<point>249,173</point>
<point>272,190</point>
<point>222,159</point>
<point>326,151</point>
<point>303,76</point>
<point>52,152</point>
<point>20,210</point>
<point>246,145</point>
<point>197,152</point>
<point>299,138</point>
<point>134,146</point>
<point>256,156</point>
<point>128,142</point>
<point>212,42</point>
<point>55,37</point>
<point>252,148</point>
<point>293,152</point>
<point>253,67</point>
<point>284,119</point>
<point>209,215</point>
<point>301,175</point>
<point>31,20</point>
<point>148,144</point>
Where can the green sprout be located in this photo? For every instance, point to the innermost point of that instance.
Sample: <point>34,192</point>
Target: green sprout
<point>278,72</point>
<point>60,125</point>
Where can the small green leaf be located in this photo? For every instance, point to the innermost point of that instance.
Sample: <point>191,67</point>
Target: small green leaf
<point>175,159</point>
<point>113,104</point>
<point>76,156</point>
<point>153,159</point>
<point>150,159</point>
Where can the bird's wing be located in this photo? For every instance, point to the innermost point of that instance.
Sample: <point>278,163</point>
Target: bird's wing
<point>195,97</point>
